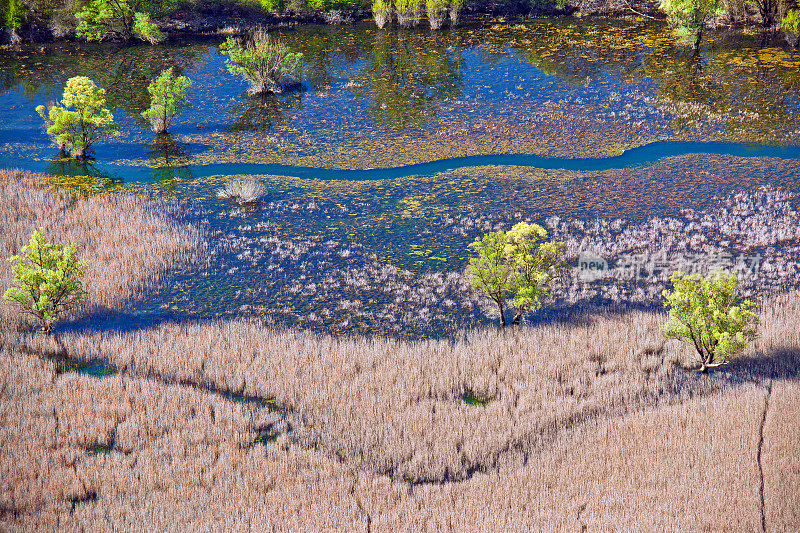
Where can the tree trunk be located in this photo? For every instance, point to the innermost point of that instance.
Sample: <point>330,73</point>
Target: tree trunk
<point>502,315</point>
<point>697,39</point>
<point>517,318</point>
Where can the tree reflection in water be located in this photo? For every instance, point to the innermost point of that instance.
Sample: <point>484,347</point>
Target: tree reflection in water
<point>169,160</point>
<point>263,112</point>
<point>82,175</point>
<point>408,76</point>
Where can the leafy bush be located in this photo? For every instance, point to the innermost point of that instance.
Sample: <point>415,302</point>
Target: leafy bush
<point>47,280</point>
<point>536,263</point>
<point>266,62</point>
<point>145,29</point>
<point>707,313</point>
<point>690,16</point>
<point>490,273</point>
<point>100,18</point>
<point>76,130</point>
<point>167,99</point>
<point>381,12</point>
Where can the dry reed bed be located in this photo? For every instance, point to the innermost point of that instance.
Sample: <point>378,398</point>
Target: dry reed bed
<point>182,461</point>
<point>129,241</point>
<point>397,408</point>
<point>50,425</point>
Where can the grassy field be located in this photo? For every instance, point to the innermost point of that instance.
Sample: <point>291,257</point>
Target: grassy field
<point>598,424</point>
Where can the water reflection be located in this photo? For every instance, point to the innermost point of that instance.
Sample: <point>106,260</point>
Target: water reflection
<point>81,175</point>
<point>407,76</point>
<point>169,160</point>
<point>753,93</point>
<point>124,71</point>
<point>262,113</point>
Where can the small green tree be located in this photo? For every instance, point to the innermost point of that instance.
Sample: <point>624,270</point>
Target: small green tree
<point>101,18</point>
<point>381,12</point>
<point>492,271</point>
<point>167,99</point>
<point>265,62</point>
<point>75,130</point>
<point>791,27</point>
<point>536,262</point>
<point>14,15</point>
<point>707,313</point>
<point>47,280</point>
<point>145,29</point>
<point>689,17</point>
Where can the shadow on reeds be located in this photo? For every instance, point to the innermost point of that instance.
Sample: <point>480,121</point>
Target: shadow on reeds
<point>781,364</point>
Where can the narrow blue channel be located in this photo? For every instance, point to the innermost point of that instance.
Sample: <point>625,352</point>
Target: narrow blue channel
<point>642,156</point>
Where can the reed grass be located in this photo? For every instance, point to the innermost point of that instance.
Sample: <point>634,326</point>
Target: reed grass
<point>180,457</point>
<point>129,241</point>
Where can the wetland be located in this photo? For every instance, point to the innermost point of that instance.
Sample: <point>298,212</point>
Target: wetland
<point>401,146</point>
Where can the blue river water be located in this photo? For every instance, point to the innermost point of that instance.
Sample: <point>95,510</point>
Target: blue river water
<point>641,156</point>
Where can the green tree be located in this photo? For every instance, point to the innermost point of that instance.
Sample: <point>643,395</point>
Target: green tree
<point>82,118</point>
<point>145,29</point>
<point>706,312</point>
<point>47,279</point>
<point>491,272</point>
<point>791,26</point>
<point>690,16</point>
<point>13,16</point>
<point>381,12</point>
<point>265,62</point>
<point>101,18</point>
<point>167,99</point>
<point>536,262</point>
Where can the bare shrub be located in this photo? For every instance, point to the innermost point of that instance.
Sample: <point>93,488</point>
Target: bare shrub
<point>243,190</point>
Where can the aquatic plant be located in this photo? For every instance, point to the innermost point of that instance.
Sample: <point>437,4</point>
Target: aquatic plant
<point>791,27</point>
<point>75,131</point>
<point>381,12</point>
<point>48,279</point>
<point>242,190</point>
<point>455,10</point>
<point>436,11</point>
<point>167,99</point>
<point>406,12</point>
<point>266,62</point>
<point>707,313</point>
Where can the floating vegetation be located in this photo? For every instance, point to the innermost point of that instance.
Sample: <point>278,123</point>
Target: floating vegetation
<point>387,256</point>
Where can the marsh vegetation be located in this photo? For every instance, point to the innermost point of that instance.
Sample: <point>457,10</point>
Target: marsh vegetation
<point>265,352</point>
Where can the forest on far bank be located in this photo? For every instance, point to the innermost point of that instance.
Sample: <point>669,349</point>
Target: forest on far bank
<point>149,20</point>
